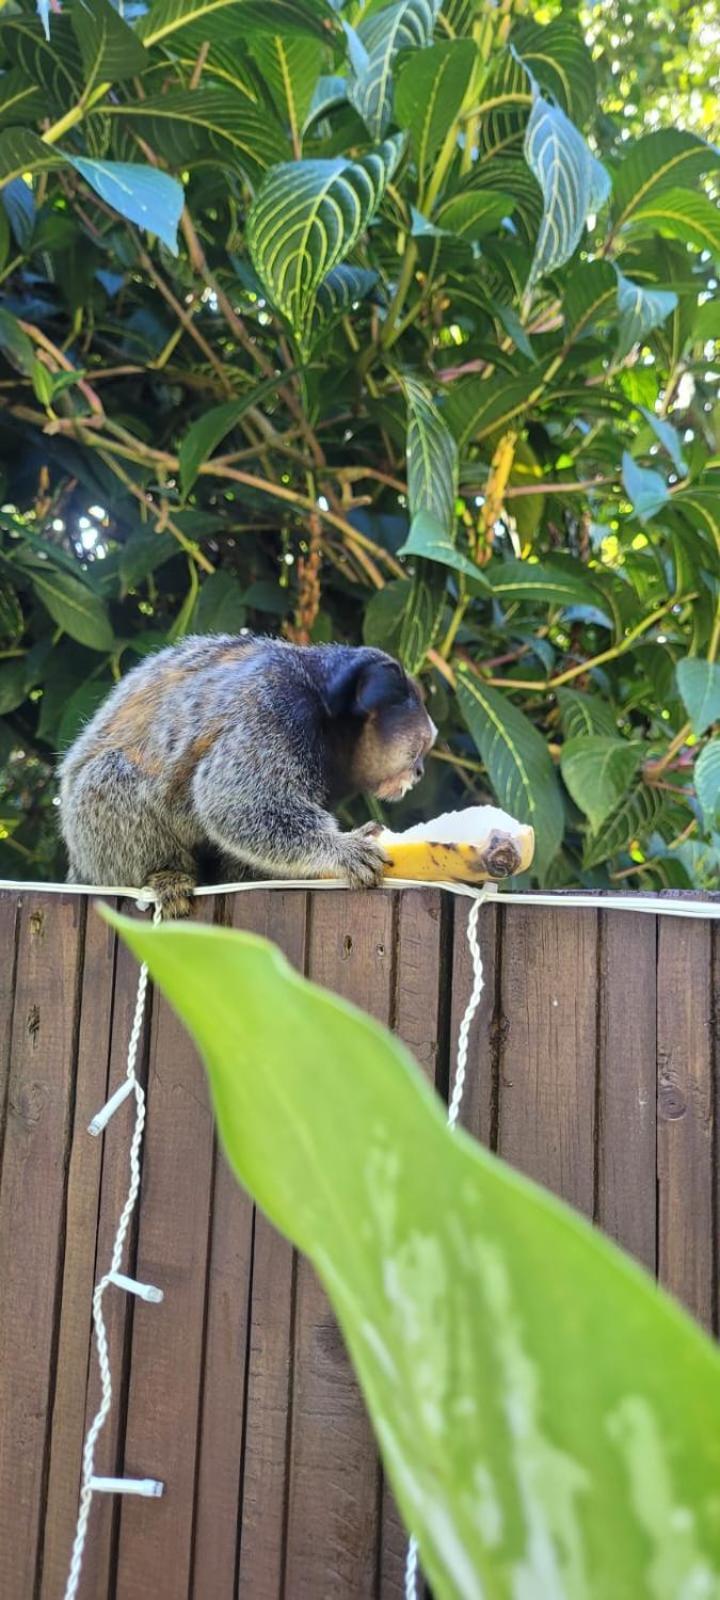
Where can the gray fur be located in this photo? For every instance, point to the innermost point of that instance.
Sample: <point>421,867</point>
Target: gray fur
<point>239,744</point>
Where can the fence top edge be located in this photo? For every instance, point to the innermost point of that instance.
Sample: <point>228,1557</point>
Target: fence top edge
<point>665,902</point>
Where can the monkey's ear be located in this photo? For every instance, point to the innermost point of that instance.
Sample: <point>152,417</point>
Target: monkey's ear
<point>364,683</point>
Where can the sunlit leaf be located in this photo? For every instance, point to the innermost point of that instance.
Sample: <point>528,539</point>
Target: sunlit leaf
<point>641,310</point>
<point>428,538</point>
<point>553,584</point>
<point>573,183</point>
<point>195,125</point>
<point>306,217</point>
<point>693,218</point>
<point>699,685</point>
<point>430,90</point>
<point>663,160</point>
<point>517,761</point>
<point>406,25</point>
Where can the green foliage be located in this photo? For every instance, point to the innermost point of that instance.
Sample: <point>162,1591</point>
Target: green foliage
<point>426,288</point>
<point>556,1426</point>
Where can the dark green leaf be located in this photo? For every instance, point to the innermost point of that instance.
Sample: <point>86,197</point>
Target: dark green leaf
<point>383,615</point>
<point>583,714</point>
<point>430,91</point>
<point>691,217</point>
<point>598,772</point>
<point>406,25</point>
<point>432,460</point>
<point>517,760</point>
<point>476,407</point>
<point>13,685</point>
<point>554,585</point>
<point>204,435</point>
<point>422,615</point>
<point>641,310</point>
<point>663,160</point>
<point>706,777</point>
<point>475,213</point>
<point>699,685</point>
<point>219,607</point>
<point>590,297</point>
<point>73,607</point>
<point>166,17</point>
<point>633,819</point>
<point>428,538</point>
<point>190,125</point>
<point>21,99</point>
<point>15,345</point>
<point>108,46</point>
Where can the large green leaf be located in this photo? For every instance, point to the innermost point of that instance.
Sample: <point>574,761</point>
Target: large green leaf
<point>560,62</point>
<point>422,615</point>
<point>339,294</point>
<point>706,777</point>
<point>699,685</point>
<point>468,1298</point>
<point>166,17</point>
<point>306,217</point>
<point>110,49</point>
<point>590,297</point>
<point>573,183</point>
<point>664,160</point>
<point>633,819</point>
<point>691,217</point>
<point>406,25</point>
<point>54,64</point>
<point>548,583</point>
<point>646,489</point>
<point>598,772</point>
<point>207,123</point>
<point>21,100</point>
<point>290,65</point>
<point>432,459</point>
<point>427,538</point>
<point>23,151</point>
<point>517,761</point>
<point>474,214</point>
<point>16,346</point>
<point>582,714</point>
<point>144,195</point>
<point>430,90</point>
<point>476,407</point>
<point>74,607</point>
<point>641,310</point>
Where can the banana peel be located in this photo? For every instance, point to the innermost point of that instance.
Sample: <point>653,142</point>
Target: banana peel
<point>478,845</point>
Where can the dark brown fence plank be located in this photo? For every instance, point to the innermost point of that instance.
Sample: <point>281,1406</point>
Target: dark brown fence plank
<point>9,928</point>
<point>479,1103</point>
<point>83,1198</point>
<point>420,1012</point>
<point>282,917</point>
<point>627,1186</point>
<point>98,1565</point>
<point>333,1521</point>
<point>685,1113</point>
<point>32,1214</point>
<point>154,1549</point>
<point>547,1080</point>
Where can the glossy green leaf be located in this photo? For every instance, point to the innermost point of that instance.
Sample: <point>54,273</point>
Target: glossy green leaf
<point>108,46</point>
<point>166,17</point>
<point>558,57</point>
<point>290,65</point>
<point>21,100</point>
<point>422,615</point>
<point>406,25</point>
<point>209,122</point>
<point>427,538</point>
<point>699,685</point>
<point>590,297</point>
<point>598,772</point>
<point>430,91</point>
<point>219,607</point>
<point>339,294</point>
<point>667,159</point>
<point>583,714</point>
<point>706,778</point>
<point>75,609</point>
<point>472,1355</point>
<point>144,195</point>
<point>475,213</point>
<point>306,217</point>
<point>693,218</point>
<point>573,183</point>
<point>633,819</point>
<point>55,65</point>
<point>641,310</point>
<point>432,460</point>
<point>476,407</point>
<point>554,585</point>
<point>22,151</point>
<point>517,761</point>
<point>646,489</point>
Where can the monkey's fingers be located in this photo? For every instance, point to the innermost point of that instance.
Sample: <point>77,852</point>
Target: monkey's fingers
<point>174,891</point>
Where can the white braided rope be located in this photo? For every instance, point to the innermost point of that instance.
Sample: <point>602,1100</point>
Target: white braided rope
<point>103,1411</point>
<point>454,1107</point>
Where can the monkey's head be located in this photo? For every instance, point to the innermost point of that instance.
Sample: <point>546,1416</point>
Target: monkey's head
<point>387,732</point>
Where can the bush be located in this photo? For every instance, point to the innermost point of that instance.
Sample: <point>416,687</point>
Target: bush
<point>395,323</point>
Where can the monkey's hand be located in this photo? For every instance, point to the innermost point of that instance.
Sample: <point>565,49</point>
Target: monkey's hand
<point>360,858</point>
<point>174,891</point>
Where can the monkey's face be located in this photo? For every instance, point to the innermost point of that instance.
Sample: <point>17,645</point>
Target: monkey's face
<point>390,753</point>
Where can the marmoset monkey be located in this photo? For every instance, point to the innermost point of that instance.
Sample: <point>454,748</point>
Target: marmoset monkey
<point>239,744</point>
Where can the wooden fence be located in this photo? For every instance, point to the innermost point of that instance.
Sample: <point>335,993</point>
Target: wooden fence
<point>592,1067</point>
